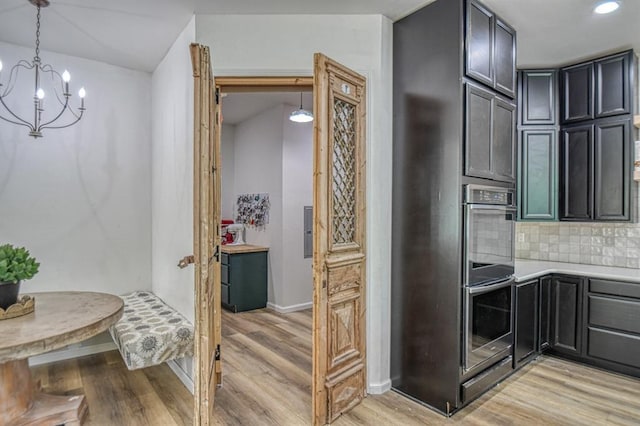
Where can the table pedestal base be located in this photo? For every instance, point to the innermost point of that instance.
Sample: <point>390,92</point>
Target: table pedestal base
<point>20,405</point>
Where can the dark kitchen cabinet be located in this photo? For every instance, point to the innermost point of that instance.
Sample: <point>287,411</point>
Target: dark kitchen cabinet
<point>576,171</point>
<point>612,163</point>
<point>505,58</point>
<point>480,43</point>
<point>566,315</point>
<point>243,278</point>
<point>489,135</point>
<point>544,327</point>
<point>450,129</point>
<point>596,171</point>
<point>526,321</point>
<point>598,89</point>
<point>490,49</point>
<point>577,93</point>
<point>613,324</point>
<point>612,81</point>
<point>538,176</point>
<point>538,97</point>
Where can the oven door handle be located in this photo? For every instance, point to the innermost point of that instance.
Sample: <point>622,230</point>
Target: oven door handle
<point>491,207</point>
<point>490,287</point>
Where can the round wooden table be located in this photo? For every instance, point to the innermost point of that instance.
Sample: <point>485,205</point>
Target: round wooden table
<point>60,319</point>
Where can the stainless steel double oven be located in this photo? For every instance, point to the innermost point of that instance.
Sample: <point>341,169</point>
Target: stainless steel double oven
<point>489,251</point>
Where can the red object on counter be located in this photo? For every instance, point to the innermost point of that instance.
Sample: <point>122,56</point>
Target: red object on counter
<point>227,238</point>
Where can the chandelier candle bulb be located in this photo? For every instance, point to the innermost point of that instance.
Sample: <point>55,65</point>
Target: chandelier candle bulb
<point>66,77</point>
<point>82,93</point>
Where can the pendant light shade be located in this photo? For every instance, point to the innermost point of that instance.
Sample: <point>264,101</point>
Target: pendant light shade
<point>301,115</point>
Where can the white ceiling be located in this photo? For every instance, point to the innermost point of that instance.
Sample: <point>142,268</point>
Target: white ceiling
<point>137,33</point>
<point>238,107</point>
<point>559,32</point>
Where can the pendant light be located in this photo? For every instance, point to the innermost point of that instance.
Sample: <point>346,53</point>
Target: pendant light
<point>301,115</point>
<point>57,94</point>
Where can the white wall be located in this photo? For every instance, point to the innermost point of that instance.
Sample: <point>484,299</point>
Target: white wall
<point>172,171</point>
<point>297,192</point>
<point>257,169</point>
<point>284,45</point>
<point>227,164</point>
<point>79,198</point>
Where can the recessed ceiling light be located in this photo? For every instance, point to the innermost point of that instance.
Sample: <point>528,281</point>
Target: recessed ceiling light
<point>606,7</point>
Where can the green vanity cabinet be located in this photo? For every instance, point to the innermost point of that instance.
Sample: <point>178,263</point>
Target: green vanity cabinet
<point>538,180</point>
<point>244,277</point>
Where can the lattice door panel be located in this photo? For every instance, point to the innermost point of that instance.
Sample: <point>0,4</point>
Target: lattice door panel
<point>344,172</point>
<point>339,310</point>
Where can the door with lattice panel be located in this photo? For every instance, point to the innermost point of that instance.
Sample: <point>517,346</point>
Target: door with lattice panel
<point>339,262</point>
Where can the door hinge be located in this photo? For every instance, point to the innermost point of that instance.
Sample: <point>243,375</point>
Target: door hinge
<point>217,353</point>
<point>217,96</point>
<point>216,254</point>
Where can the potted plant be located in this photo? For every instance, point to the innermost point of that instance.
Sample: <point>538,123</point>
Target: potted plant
<point>16,264</point>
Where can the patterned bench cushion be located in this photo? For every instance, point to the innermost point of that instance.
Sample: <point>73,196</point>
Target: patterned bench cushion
<point>150,332</point>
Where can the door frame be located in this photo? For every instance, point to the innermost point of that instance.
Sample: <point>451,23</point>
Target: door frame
<point>260,83</point>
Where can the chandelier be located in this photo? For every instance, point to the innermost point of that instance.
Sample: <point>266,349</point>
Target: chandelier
<point>57,90</point>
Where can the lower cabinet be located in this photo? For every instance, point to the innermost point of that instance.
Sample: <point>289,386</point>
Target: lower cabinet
<point>544,326</point>
<point>566,315</point>
<point>613,324</point>
<point>526,321</point>
<point>244,281</point>
<point>590,320</point>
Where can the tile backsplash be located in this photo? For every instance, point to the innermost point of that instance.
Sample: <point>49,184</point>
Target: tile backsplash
<point>609,244</point>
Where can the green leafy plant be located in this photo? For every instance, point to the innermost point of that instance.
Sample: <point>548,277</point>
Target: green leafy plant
<point>16,264</point>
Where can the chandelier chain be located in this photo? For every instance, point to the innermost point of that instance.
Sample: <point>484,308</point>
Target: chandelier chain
<point>37,57</point>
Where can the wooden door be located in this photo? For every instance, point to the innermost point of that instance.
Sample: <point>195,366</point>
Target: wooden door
<point>339,356</point>
<point>206,233</point>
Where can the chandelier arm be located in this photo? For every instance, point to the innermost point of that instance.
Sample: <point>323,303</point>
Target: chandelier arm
<point>14,74</point>
<point>62,127</point>
<point>21,121</point>
<point>17,122</point>
<point>64,108</point>
<point>46,68</point>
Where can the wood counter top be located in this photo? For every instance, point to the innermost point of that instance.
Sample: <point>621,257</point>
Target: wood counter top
<point>244,248</point>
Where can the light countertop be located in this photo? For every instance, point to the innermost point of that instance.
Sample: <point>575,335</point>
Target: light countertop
<point>242,248</point>
<point>529,269</point>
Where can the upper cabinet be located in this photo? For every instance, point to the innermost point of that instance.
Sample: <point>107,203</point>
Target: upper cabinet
<point>590,180</point>
<point>538,97</point>
<point>490,49</point>
<point>597,89</point>
<point>490,124</point>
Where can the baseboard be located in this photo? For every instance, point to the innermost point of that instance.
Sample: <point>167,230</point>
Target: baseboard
<point>379,388</point>
<point>71,352</point>
<point>290,308</point>
<point>186,380</point>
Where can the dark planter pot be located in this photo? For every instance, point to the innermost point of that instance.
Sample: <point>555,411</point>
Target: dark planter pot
<point>9,294</point>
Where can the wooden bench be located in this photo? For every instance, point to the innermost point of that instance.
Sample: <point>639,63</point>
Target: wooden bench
<point>150,332</point>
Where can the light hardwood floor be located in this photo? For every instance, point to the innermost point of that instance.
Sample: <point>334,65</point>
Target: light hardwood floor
<point>267,366</point>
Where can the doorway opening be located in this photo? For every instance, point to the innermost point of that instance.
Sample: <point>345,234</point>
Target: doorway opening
<point>266,174</point>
